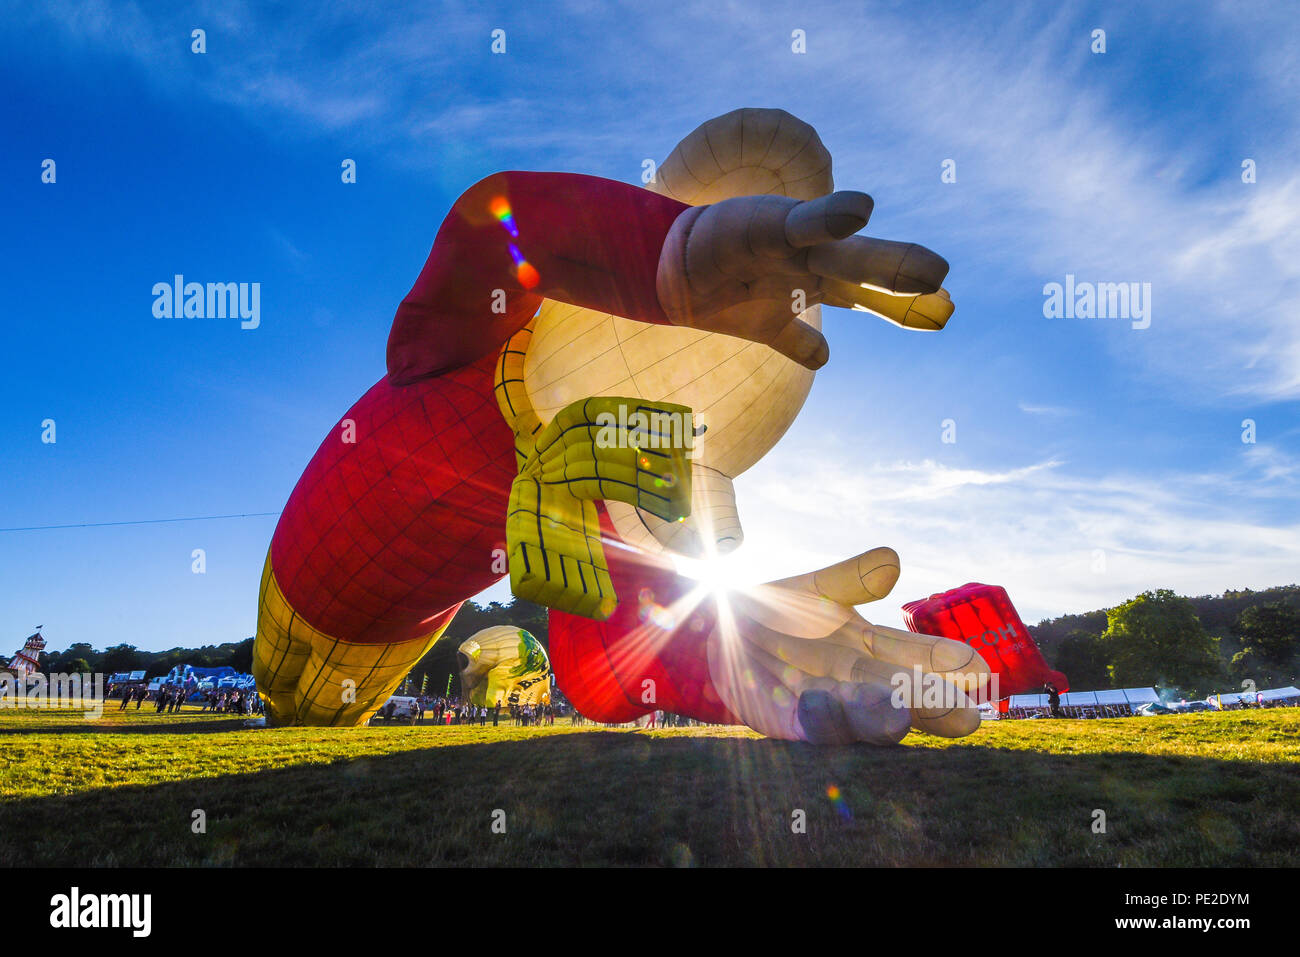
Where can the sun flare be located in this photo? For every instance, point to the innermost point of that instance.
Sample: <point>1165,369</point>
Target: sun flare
<point>718,575</point>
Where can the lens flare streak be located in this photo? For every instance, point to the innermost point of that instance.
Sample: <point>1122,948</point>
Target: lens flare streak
<point>525,271</point>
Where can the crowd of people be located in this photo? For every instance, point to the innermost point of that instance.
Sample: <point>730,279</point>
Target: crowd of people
<point>237,701</point>
<point>169,699</point>
<point>452,710</point>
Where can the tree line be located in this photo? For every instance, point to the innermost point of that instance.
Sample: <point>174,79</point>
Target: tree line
<point>434,669</point>
<point>1196,646</point>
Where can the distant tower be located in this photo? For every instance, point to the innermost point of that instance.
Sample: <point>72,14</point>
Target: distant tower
<point>27,659</point>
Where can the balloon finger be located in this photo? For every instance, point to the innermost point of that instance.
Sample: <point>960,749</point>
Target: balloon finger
<point>827,218</point>
<point>872,712</point>
<point>909,649</point>
<point>891,266</point>
<point>795,613</point>
<point>956,717</point>
<point>863,578</point>
<point>802,343</point>
<point>819,714</point>
<point>819,659</point>
<point>927,312</point>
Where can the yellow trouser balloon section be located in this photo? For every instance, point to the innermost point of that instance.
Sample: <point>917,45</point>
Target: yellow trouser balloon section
<point>620,449</point>
<point>308,677</point>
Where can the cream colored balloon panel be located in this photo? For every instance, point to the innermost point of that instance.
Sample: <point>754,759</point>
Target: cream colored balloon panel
<point>568,340</point>
<point>746,394</point>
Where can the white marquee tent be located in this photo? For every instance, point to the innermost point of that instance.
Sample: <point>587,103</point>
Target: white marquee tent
<point>1248,697</point>
<point>1084,699</point>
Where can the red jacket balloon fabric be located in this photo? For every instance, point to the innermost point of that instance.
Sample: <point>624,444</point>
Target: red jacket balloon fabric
<point>983,617</point>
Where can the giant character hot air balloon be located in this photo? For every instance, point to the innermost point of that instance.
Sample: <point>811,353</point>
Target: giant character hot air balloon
<point>503,665</point>
<point>579,373</point>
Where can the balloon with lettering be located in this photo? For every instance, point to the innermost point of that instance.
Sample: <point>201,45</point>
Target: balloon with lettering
<point>983,617</point>
<point>503,665</point>
<point>580,372</point>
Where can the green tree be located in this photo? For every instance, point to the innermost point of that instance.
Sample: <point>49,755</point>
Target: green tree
<point>120,658</point>
<point>241,659</point>
<point>58,662</point>
<point>76,666</point>
<point>1156,639</point>
<point>1083,659</point>
<point>1271,633</point>
<point>439,662</point>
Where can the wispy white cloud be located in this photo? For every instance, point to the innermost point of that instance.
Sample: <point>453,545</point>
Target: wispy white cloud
<point>1055,410</point>
<point>1070,183</point>
<point>1058,539</point>
<point>1053,173</point>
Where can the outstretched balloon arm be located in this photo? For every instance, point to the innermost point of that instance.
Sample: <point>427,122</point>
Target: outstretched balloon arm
<point>735,267</point>
<point>515,238</point>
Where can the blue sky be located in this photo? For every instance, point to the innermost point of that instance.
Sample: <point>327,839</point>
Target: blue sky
<point>1092,460</point>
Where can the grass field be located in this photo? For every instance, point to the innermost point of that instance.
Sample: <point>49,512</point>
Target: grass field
<point>1200,790</point>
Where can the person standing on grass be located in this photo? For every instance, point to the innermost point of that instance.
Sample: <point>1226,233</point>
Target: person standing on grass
<point>1053,700</point>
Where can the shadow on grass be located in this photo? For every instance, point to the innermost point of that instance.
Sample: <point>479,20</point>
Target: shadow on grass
<point>632,799</point>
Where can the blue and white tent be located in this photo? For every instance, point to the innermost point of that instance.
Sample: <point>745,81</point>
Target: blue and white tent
<point>1134,697</point>
<point>1272,696</point>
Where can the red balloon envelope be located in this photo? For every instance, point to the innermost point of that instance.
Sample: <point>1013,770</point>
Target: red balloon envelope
<point>984,618</point>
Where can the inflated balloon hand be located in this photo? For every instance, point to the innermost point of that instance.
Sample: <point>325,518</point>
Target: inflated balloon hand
<point>552,529</point>
<point>749,266</point>
<point>794,660</point>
